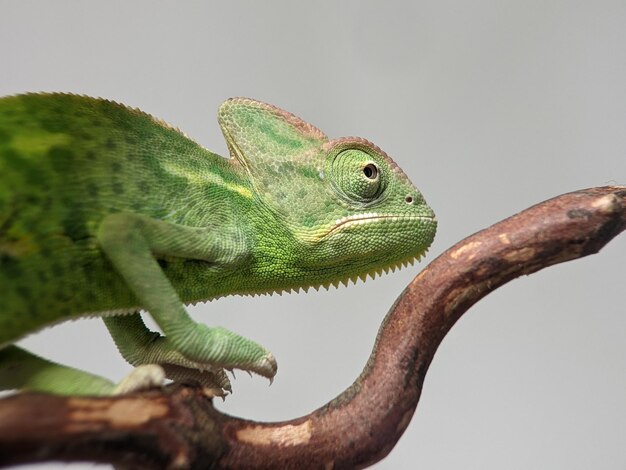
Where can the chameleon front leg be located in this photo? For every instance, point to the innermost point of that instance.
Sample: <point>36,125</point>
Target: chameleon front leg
<point>140,345</point>
<point>132,242</point>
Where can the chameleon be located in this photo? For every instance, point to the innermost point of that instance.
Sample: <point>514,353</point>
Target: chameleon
<point>107,211</point>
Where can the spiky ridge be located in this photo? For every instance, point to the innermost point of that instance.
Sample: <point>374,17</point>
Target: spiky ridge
<point>372,273</point>
<point>354,279</point>
<point>132,109</point>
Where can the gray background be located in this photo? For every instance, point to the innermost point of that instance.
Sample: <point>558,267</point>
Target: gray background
<point>489,106</point>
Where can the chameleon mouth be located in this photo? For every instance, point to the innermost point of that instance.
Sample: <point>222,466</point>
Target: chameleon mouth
<point>369,217</point>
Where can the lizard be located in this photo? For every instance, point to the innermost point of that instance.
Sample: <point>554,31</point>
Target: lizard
<point>107,211</point>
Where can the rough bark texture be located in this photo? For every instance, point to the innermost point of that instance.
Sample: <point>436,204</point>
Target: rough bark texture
<point>178,427</point>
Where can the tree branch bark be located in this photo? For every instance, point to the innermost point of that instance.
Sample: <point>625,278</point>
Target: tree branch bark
<point>177,427</point>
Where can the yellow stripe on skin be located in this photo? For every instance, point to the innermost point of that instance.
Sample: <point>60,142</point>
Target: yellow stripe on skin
<point>205,178</point>
<point>38,142</point>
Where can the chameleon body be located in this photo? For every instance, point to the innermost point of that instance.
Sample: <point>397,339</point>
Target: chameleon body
<point>105,210</point>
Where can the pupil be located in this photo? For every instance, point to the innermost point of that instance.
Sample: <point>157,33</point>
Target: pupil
<point>370,171</point>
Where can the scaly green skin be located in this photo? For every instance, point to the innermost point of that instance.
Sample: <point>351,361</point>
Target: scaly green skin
<point>105,210</point>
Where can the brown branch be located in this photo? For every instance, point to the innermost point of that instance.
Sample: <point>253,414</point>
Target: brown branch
<point>178,426</point>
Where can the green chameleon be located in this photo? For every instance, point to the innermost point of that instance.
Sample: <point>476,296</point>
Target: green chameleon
<point>106,211</point>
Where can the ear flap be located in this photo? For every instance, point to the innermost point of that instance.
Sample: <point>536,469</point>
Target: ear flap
<point>257,132</point>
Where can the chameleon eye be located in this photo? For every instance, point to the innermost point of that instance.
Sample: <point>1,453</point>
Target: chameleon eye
<point>357,175</point>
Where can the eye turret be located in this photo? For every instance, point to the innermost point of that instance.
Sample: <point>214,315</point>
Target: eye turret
<point>357,175</point>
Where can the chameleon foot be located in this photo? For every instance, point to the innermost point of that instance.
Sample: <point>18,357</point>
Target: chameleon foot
<point>199,355</point>
<point>215,383</point>
<point>223,348</point>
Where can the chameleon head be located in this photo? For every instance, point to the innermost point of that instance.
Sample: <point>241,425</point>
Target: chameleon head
<point>379,218</point>
<point>348,209</point>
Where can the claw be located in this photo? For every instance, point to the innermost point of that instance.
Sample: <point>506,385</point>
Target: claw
<point>266,366</point>
<point>223,381</point>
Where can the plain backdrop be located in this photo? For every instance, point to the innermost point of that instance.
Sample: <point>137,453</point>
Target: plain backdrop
<point>489,106</point>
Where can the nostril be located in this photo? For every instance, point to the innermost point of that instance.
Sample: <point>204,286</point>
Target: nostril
<point>408,199</point>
